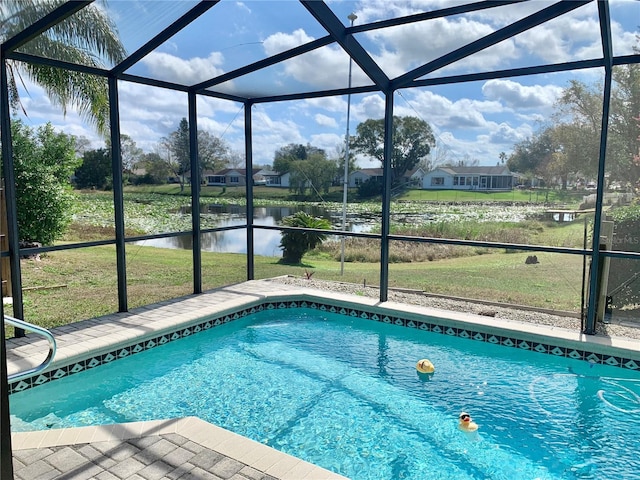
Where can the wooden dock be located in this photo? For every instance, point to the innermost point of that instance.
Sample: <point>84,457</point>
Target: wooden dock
<point>567,215</point>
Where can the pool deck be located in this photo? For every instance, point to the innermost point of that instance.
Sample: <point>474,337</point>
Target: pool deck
<point>189,448</point>
<point>185,448</point>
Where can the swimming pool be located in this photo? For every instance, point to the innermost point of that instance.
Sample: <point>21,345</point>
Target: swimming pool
<point>344,394</point>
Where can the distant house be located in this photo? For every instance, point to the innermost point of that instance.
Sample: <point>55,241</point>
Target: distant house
<point>469,178</point>
<point>275,179</point>
<point>232,177</point>
<point>227,177</point>
<point>358,177</point>
<point>413,177</point>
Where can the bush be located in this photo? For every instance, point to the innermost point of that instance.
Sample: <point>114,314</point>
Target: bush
<point>296,243</point>
<point>370,188</point>
<point>44,161</point>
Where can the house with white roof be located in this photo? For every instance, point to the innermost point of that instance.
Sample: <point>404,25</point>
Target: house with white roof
<point>497,178</point>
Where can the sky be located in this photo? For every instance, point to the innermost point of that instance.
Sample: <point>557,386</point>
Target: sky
<point>472,122</point>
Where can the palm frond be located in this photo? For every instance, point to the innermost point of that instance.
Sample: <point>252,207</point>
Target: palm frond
<point>88,37</point>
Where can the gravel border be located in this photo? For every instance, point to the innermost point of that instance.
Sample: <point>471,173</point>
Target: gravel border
<point>493,310</point>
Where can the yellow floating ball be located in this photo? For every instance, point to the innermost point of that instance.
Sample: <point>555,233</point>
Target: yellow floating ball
<point>425,366</point>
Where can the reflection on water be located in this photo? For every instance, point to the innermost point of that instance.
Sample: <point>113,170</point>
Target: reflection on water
<point>265,242</point>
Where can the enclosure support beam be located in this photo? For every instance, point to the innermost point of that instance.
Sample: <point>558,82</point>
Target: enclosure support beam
<point>386,196</point>
<point>594,274</point>
<point>10,198</point>
<point>118,195</point>
<point>6,457</point>
<point>196,238</point>
<point>248,148</point>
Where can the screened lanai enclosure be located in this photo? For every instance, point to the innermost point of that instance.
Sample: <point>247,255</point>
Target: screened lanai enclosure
<point>549,89</point>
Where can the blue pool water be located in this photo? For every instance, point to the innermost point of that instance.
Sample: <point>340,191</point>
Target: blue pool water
<point>344,393</point>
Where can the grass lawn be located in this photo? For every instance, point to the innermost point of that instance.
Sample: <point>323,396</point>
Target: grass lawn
<point>68,286</point>
<point>567,198</point>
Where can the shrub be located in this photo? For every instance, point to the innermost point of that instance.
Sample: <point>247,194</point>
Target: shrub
<point>370,188</point>
<point>296,243</point>
<point>44,161</point>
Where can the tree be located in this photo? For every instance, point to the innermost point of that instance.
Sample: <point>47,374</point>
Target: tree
<point>95,171</point>
<point>567,159</point>
<point>83,144</point>
<point>296,243</point>
<point>212,152</point>
<point>578,121</point>
<point>532,156</point>
<point>338,158</point>
<point>155,166</point>
<point>88,38</point>
<point>288,154</point>
<point>129,152</point>
<point>316,173</point>
<point>622,142</point>
<point>578,118</point>
<point>179,160</point>
<point>44,161</point>
<point>235,160</point>
<point>412,142</point>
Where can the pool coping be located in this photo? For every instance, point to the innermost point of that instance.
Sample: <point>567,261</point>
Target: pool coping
<point>90,343</point>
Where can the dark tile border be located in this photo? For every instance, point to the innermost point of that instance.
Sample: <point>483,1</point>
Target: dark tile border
<point>363,313</point>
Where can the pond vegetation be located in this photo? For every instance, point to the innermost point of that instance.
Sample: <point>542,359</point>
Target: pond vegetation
<point>147,213</point>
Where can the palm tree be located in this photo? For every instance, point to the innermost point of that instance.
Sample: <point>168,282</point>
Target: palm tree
<point>87,37</point>
<point>296,243</point>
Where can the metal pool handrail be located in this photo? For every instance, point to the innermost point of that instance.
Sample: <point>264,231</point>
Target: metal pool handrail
<point>37,330</point>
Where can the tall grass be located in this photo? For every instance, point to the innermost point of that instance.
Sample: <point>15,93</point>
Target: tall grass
<point>523,233</point>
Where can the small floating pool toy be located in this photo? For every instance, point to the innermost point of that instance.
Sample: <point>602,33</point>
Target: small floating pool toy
<point>466,424</point>
<point>425,366</point>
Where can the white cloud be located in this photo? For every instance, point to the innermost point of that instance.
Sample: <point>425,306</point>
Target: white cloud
<point>322,68</point>
<point>371,106</point>
<point>327,141</point>
<point>406,47</point>
<point>213,106</point>
<point>331,104</point>
<point>325,121</point>
<point>270,134</point>
<point>186,72</point>
<point>573,36</point>
<point>443,114</point>
<point>518,96</point>
<point>505,134</point>
<point>243,6</point>
<point>280,42</point>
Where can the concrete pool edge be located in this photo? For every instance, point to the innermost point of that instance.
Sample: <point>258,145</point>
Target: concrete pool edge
<point>91,342</point>
<point>250,453</point>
